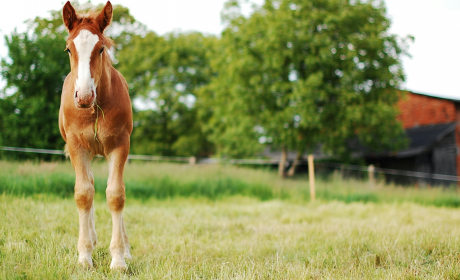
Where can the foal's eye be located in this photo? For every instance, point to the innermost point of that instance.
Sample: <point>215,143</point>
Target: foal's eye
<point>67,50</point>
<point>101,51</point>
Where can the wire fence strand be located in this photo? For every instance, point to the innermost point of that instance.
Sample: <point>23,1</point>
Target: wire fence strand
<point>360,168</point>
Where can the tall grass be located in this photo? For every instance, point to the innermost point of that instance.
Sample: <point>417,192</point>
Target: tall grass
<point>162,181</point>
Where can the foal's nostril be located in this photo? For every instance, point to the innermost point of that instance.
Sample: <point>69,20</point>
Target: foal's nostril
<point>76,94</point>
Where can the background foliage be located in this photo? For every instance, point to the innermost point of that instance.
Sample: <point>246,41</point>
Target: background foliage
<point>292,75</point>
<point>168,71</point>
<point>303,73</point>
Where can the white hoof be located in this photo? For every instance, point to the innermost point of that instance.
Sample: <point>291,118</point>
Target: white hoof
<point>118,264</point>
<point>85,260</point>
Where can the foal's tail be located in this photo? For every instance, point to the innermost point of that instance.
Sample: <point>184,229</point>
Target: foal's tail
<point>66,151</point>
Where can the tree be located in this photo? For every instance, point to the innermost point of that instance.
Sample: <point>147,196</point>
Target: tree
<point>34,72</point>
<point>299,73</point>
<point>168,71</point>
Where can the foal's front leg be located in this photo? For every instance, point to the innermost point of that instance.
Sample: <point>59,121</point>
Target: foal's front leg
<point>119,246</point>
<point>84,195</point>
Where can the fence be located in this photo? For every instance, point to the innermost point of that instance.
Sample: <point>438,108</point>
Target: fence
<point>370,173</point>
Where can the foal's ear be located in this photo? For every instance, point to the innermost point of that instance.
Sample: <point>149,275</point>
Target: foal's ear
<point>105,17</point>
<point>69,16</point>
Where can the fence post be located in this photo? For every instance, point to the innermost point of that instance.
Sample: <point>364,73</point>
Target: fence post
<point>192,160</point>
<point>311,176</point>
<point>282,163</point>
<point>370,171</point>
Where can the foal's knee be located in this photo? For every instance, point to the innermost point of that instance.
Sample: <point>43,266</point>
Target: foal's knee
<point>84,195</point>
<point>116,198</point>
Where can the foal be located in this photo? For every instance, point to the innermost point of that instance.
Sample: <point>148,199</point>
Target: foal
<point>95,118</point>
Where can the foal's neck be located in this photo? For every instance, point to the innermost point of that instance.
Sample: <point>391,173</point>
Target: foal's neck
<point>104,88</point>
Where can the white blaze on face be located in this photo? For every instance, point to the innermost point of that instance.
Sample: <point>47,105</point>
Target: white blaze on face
<point>84,43</point>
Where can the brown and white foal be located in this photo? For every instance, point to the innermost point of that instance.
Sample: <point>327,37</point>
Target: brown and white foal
<point>95,118</point>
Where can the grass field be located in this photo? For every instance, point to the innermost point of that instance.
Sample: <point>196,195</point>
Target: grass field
<point>203,224</point>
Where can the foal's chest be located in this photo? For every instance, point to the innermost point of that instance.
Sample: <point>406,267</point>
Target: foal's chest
<point>90,130</point>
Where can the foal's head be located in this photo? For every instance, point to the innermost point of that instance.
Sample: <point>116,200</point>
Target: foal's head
<point>87,46</point>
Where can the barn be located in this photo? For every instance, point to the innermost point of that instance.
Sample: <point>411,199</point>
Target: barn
<point>432,126</point>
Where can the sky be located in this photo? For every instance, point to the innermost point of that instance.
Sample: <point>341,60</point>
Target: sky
<point>433,68</point>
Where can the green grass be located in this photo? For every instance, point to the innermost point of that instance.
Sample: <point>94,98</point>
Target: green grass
<point>225,222</point>
<point>235,238</point>
<point>164,181</point>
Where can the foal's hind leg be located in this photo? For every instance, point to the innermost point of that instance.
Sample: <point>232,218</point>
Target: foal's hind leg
<point>116,200</point>
<point>92,218</point>
<point>92,229</point>
<point>84,195</point>
<point>126,241</point>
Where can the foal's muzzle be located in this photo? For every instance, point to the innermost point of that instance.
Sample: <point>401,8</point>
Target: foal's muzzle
<point>85,99</point>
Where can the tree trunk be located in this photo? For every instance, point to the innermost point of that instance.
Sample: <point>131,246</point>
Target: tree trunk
<point>282,163</point>
<point>291,170</point>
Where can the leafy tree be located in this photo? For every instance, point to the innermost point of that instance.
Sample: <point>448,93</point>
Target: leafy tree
<point>168,71</point>
<point>34,71</point>
<point>299,73</point>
